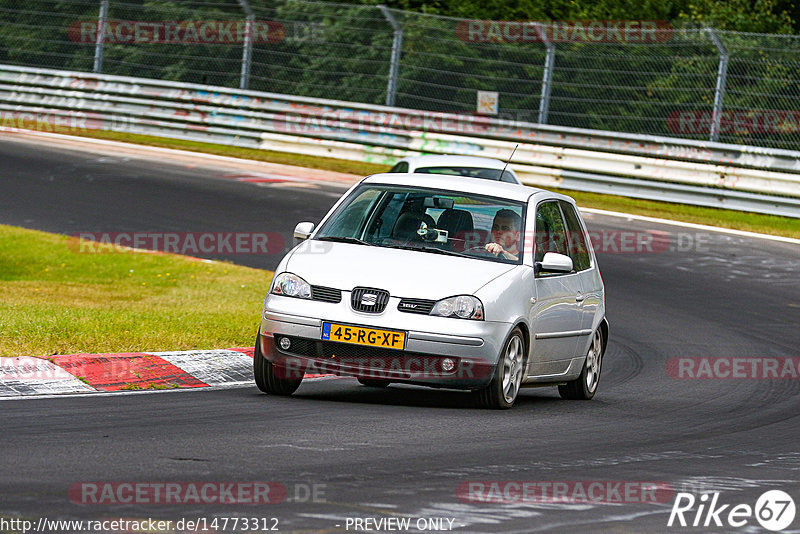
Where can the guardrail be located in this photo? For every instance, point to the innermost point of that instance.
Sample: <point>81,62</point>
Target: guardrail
<point>702,173</point>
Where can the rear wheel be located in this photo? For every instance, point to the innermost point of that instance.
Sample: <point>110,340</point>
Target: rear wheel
<point>585,386</point>
<point>503,389</point>
<point>271,378</point>
<point>374,382</point>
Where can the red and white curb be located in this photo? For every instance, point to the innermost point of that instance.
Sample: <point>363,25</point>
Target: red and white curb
<point>133,371</point>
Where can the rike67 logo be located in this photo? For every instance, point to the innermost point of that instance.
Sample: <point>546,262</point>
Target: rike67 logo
<point>774,510</point>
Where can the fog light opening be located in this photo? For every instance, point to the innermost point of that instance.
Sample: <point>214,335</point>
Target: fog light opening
<point>285,343</point>
<point>448,364</point>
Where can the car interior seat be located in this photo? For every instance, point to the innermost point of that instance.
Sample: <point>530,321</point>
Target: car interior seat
<point>458,224</point>
<point>408,222</point>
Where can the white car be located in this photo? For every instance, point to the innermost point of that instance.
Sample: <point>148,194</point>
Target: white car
<point>467,166</point>
<point>439,281</point>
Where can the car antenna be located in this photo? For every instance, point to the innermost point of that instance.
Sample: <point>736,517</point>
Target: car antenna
<point>508,161</point>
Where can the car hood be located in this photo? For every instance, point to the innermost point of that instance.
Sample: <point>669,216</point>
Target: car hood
<point>403,273</point>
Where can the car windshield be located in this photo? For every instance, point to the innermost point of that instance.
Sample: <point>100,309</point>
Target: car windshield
<point>436,222</point>
<point>471,172</point>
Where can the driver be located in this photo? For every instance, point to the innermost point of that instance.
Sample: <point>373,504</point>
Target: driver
<point>505,233</point>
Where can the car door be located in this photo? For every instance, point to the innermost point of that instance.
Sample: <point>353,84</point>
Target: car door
<point>591,285</point>
<point>556,313</point>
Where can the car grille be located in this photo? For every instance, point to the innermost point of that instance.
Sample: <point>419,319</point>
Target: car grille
<point>326,294</point>
<point>331,349</point>
<point>420,306</point>
<point>369,300</point>
<point>346,355</point>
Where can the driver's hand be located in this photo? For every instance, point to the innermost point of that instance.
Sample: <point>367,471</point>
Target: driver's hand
<point>494,248</point>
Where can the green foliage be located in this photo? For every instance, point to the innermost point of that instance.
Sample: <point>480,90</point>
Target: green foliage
<point>757,16</point>
<point>342,51</point>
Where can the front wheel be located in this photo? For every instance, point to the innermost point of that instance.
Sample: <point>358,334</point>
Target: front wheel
<point>270,378</point>
<point>502,390</point>
<point>585,386</point>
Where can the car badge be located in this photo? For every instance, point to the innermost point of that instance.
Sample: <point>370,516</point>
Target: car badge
<point>369,299</point>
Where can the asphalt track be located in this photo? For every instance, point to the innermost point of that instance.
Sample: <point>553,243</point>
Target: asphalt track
<point>403,451</point>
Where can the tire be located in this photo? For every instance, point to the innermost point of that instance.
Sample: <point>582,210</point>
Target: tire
<point>503,389</point>
<point>585,386</point>
<point>267,379</point>
<point>373,382</point>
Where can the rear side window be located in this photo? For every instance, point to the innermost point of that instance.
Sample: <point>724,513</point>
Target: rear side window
<point>508,177</point>
<point>551,235</point>
<point>578,249</point>
<point>400,167</point>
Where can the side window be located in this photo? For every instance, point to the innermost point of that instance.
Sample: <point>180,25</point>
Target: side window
<point>507,177</point>
<point>578,249</point>
<point>551,235</point>
<point>400,167</point>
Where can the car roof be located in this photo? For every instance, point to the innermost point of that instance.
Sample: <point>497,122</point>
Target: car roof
<point>455,161</point>
<point>520,193</point>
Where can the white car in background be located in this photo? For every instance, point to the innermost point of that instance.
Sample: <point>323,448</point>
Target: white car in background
<point>467,166</point>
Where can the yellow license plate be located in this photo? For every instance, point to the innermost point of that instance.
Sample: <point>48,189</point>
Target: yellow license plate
<point>387,339</point>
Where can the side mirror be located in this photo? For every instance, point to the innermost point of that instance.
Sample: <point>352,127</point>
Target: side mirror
<point>553,262</point>
<point>302,232</point>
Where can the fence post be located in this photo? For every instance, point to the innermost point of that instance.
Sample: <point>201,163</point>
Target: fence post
<point>247,51</point>
<point>100,37</point>
<point>394,64</point>
<point>722,77</point>
<point>547,76</point>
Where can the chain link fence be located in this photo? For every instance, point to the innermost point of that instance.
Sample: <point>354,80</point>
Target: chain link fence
<point>644,77</point>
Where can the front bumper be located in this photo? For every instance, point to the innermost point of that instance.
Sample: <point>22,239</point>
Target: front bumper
<point>474,346</point>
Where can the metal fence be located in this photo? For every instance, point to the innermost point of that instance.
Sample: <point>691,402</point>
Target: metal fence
<point>626,76</point>
<point>757,179</point>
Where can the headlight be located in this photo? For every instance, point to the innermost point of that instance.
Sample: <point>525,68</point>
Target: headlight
<point>291,285</point>
<point>461,307</point>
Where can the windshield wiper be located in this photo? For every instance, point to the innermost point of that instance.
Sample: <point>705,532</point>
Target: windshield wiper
<point>345,239</point>
<point>434,250</point>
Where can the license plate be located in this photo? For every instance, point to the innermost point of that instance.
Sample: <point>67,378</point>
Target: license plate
<point>371,337</point>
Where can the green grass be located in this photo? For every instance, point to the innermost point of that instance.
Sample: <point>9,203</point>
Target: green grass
<point>737,220</point>
<point>56,300</point>
<point>766,224</point>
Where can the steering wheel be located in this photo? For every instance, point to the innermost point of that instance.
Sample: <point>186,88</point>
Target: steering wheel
<point>479,249</point>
